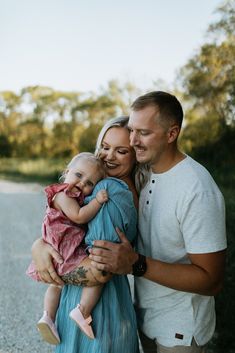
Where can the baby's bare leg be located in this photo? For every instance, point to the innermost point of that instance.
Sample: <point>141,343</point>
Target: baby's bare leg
<point>92,280</point>
<point>51,300</point>
<point>89,298</point>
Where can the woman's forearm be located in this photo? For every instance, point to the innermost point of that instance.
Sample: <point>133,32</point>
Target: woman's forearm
<point>85,275</point>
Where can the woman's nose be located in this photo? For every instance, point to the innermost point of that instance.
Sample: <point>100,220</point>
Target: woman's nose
<point>110,155</point>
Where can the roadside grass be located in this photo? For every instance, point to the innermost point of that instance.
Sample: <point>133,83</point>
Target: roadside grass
<point>44,171</point>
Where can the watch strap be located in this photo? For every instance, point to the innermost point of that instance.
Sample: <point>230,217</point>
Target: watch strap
<point>140,266</point>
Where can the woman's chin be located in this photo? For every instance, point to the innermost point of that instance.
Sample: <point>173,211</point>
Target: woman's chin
<point>110,174</point>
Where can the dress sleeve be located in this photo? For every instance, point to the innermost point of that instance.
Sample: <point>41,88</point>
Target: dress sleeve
<point>119,212</point>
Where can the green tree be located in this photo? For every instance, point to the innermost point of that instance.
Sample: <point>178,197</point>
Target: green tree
<point>5,146</point>
<point>88,138</point>
<point>208,80</point>
<point>41,121</point>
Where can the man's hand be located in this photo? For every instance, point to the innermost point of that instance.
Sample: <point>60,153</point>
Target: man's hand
<point>112,257</point>
<point>42,255</point>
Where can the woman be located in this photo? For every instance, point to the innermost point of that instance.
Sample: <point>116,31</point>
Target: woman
<point>114,320</point>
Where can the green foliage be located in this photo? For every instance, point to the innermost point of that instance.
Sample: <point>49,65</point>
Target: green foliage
<point>64,139</point>
<point>225,303</point>
<point>225,26</point>
<point>88,139</point>
<point>222,169</point>
<point>208,81</point>
<point>5,146</point>
<point>219,153</point>
<point>43,122</point>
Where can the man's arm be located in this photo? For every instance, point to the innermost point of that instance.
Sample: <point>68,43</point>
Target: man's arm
<point>203,276</point>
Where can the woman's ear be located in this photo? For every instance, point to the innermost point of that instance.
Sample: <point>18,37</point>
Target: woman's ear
<point>173,133</point>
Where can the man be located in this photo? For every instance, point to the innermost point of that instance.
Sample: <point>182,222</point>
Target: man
<point>180,256</point>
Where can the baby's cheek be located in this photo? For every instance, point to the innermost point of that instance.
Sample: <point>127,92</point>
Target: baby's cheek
<point>102,155</point>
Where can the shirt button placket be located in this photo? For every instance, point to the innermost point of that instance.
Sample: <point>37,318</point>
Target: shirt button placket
<point>150,191</point>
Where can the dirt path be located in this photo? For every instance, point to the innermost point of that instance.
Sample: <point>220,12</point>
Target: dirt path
<point>21,299</point>
<point>9,187</point>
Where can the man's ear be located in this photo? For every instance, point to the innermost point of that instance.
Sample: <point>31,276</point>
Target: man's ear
<point>173,133</point>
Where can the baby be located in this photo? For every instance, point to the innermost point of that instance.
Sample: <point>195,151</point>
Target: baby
<point>63,228</point>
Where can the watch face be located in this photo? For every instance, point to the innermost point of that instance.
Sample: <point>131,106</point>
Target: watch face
<point>140,266</point>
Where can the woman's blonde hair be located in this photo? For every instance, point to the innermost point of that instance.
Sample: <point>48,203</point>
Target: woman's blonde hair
<point>120,121</point>
<point>140,173</point>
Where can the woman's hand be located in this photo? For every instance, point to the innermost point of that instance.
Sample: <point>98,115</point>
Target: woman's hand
<point>113,257</point>
<point>42,254</point>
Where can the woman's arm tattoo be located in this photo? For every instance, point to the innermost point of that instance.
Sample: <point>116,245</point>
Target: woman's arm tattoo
<point>77,277</point>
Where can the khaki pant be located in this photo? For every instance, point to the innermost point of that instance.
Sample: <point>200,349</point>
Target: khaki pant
<point>150,346</point>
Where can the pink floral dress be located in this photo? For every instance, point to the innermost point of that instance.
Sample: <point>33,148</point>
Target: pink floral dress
<point>64,235</point>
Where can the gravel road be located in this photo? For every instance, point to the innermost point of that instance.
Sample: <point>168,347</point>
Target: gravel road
<point>21,299</point>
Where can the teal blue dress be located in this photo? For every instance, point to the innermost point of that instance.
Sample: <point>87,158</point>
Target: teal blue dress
<point>114,320</point>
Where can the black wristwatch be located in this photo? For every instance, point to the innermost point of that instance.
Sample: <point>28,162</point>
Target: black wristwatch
<point>140,266</point>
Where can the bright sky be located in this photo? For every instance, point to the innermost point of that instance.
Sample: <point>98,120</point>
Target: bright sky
<point>82,44</point>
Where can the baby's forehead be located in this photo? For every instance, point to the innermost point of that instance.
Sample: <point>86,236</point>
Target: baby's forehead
<point>87,165</point>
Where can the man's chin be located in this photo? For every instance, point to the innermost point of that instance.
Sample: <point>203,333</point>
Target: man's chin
<point>141,159</point>
<point>141,155</point>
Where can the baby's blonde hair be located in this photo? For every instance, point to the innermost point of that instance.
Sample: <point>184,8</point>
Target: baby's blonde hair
<point>89,157</point>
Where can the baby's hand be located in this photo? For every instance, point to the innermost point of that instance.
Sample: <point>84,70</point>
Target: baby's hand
<point>102,196</point>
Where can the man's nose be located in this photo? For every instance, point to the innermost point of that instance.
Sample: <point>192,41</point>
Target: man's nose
<point>134,139</point>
